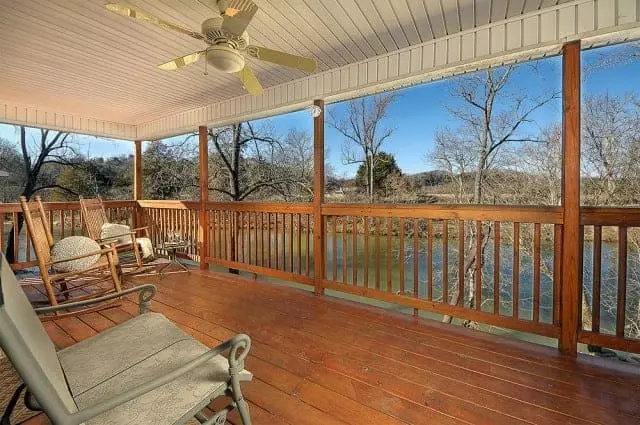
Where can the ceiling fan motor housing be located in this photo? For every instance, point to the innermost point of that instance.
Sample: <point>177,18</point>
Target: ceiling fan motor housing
<point>225,59</point>
<point>214,34</point>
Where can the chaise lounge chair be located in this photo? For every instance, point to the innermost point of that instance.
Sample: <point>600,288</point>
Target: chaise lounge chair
<point>143,371</point>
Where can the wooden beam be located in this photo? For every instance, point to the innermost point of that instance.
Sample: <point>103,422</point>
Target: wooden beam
<point>318,199</point>
<point>137,183</point>
<point>203,227</point>
<point>571,285</point>
<point>137,171</point>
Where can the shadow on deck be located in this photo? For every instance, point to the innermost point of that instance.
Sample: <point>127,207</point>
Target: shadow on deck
<point>321,360</point>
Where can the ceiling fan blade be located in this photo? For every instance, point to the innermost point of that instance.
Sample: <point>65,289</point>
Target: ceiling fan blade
<point>249,80</point>
<point>236,21</point>
<point>181,61</point>
<point>237,5</point>
<point>141,16</point>
<point>281,58</point>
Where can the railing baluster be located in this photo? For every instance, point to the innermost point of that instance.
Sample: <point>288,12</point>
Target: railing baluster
<point>300,243</point>
<point>478,277</point>
<point>344,249</point>
<point>290,242</point>
<point>557,271</point>
<point>496,267</point>
<point>445,261</point>
<point>268,260</point>
<point>389,274</point>
<point>622,282</point>
<point>429,260</point>
<point>277,241</point>
<point>401,224</point>
<point>62,223</point>
<point>308,236</point>
<point>461,261</point>
<point>536,272</point>
<point>377,252</point>
<point>16,237</point>
<point>416,288</point>
<point>597,271</point>
<point>365,276</point>
<point>213,217</point>
<point>516,270</point>
<point>354,253</point>
<point>249,244</point>
<point>334,241</point>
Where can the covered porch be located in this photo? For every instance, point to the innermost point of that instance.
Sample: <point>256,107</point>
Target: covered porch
<point>317,358</point>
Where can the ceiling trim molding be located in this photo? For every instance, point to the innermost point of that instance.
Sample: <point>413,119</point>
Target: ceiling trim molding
<point>32,116</point>
<point>524,37</point>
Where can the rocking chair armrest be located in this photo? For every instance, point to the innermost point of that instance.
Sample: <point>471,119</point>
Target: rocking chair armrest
<point>114,238</point>
<point>140,228</point>
<point>147,292</point>
<point>235,367</point>
<point>103,251</point>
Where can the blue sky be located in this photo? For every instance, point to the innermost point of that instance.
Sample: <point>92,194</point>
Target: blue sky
<point>421,110</point>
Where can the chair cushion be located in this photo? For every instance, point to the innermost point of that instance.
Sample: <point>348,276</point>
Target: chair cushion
<point>137,351</point>
<point>73,246</point>
<point>120,233</point>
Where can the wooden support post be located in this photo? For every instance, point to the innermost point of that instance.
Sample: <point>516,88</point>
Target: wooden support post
<point>137,183</point>
<point>203,230</point>
<point>571,285</point>
<point>318,199</point>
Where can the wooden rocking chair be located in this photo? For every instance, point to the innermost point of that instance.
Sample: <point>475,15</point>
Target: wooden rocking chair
<point>94,217</point>
<point>72,286</point>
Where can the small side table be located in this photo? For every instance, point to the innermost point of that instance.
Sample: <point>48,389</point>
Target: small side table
<point>172,249</point>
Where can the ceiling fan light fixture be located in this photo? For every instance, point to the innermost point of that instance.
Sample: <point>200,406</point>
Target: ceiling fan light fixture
<point>225,59</point>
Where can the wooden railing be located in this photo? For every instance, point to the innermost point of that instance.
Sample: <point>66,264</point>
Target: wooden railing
<point>611,278</point>
<point>170,218</point>
<point>269,239</point>
<point>65,220</point>
<point>440,259</point>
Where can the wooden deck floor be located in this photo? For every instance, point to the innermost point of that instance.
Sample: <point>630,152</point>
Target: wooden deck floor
<point>320,360</point>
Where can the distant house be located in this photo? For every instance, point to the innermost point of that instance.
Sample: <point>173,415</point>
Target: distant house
<point>4,174</point>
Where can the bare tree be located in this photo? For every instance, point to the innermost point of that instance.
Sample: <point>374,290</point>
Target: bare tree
<point>364,133</point>
<point>456,157</point>
<point>491,117</point>
<point>296,161</point>
<point>245,156</point>
<point>51,148</point>
<point>610,147</point>
<point>542,163</point>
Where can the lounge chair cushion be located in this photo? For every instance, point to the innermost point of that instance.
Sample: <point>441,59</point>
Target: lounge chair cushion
<point>137,351</point>
<point>74,246</point>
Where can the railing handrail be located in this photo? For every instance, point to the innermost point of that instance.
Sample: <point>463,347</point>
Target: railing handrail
<point>550,215</point>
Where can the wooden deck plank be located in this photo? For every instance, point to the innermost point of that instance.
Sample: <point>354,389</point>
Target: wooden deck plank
<point>305,363</point>
<point>505,386</point>
<point>321,360</point>
<point>493,346</point>
<point>394,332</point>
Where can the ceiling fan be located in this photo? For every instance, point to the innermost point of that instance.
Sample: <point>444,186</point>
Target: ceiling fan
<point>227,41</point>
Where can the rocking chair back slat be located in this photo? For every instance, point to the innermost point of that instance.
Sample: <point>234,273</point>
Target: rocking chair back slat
<point>94,216</point>
<point>38,228</point>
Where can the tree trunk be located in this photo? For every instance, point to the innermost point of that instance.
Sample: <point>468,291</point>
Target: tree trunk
<point>17,227</point>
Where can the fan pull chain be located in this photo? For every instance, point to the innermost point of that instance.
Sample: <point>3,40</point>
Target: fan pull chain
<point>205,63</point>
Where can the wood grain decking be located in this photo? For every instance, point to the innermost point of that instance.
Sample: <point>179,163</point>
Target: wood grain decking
<point>320,360</point>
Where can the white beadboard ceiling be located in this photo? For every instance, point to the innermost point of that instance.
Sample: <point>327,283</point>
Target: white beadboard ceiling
<point>71,64</point>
